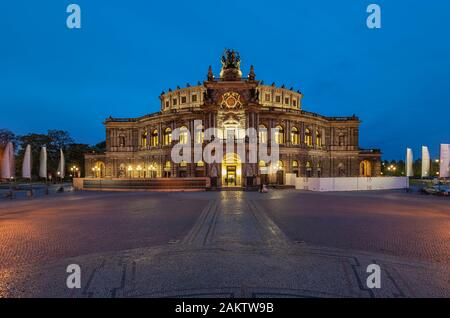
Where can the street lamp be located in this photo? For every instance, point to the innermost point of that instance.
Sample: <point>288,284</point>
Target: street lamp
<point>139,169</point>
<point>152,169</point>
<point>130,170</point>
<point>74,170</point>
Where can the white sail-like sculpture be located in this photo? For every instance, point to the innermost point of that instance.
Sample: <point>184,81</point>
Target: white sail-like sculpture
<point>425,162</point>
<point>43,163</point>
<point>26,165</point>
<point>409,162</point>
<point>8,162</point>
<point>444,166</point>
<point>61,165</point>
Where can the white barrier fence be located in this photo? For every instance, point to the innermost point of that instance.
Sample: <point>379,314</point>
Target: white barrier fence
<point>347,184</point>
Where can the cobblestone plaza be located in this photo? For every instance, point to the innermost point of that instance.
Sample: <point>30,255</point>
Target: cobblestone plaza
<point>226,244</point>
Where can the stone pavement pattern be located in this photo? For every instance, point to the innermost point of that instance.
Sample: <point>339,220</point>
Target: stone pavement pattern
<point>235,248</point>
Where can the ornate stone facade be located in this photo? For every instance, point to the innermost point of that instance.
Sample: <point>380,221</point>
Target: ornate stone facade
<point>310,144</point>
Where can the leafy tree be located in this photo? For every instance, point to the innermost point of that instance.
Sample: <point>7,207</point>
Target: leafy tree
<point>54,140</point>
<point>100,147</point>
<point>7,136</point>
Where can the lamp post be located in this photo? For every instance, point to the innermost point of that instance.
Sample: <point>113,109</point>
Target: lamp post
<point>154,170</point>
<point>74,170</point>
<point>139,169</point>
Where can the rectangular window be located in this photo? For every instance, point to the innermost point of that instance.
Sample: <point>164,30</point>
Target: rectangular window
<point>194,98</point>
<point>278,99</point>
<point>286,100</point>
<point>267,97</point>
<point>167,104</point>
<point>294,102</point>
<point>174,102</point>
<point>183,99</point>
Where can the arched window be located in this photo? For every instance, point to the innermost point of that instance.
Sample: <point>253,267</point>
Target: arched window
<point>262,134</point>
<point>183,135</point>
<point>308,169</point>
<point>167,169</point>
<point>155,138</point>
<point>122,142</point>
<point>144,139</point>
<point>365,168</point>
<point>183,164</point>
<point>167,137</point>
<point>200,164</point>
<point>341,140</point>
<point>279,134</point>
<point>308,137</point>
<point>294,136</point>
<point>199,135</point>
<point>262,164</point>
<point>318,139</point>
<point>295,164</point>
<point>341,170</point>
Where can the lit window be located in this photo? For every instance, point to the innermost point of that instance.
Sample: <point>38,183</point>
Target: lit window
<point>183,135</point>
<point>308,137</point>
<point>318,139</point>
<point>279,135</point>
<point>200,164</point>
<point>167,136</point>
<point>294,136</point>
<point>155,138</point>
<point>262,134</point>
<point>295,164</point>
<point>144,139</point>
<point>199,135</point>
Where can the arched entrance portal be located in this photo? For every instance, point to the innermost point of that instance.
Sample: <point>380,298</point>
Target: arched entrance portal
<point>365,169</point>
<point>231,170</point>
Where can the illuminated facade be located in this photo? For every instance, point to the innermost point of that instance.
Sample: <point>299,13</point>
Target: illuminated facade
<point>310,145</point>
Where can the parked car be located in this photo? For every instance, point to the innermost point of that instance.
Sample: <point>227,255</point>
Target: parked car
<point>430,190</point>
<point>436,190</point>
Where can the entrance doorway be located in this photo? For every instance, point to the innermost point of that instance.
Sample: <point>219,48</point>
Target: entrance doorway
<point>230,178</point>
<point>231,171</point>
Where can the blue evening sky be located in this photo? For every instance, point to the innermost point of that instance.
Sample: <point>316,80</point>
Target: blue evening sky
<point>396,79</point>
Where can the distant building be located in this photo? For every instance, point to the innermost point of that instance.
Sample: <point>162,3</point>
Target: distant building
<point>310,144</point>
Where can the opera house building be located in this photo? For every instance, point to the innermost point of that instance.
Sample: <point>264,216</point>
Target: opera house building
<point>309,144</point>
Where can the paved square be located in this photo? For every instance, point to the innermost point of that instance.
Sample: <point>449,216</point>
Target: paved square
<point>226,244</point>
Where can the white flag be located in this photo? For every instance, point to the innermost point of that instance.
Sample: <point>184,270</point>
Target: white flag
<point>43,163</point>
<point>425,162</point>
<point>8,162</point>
<point>444,167</point>
<point>61,165</point>
<point>26,165</point>
<point>409,163</point>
